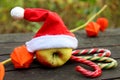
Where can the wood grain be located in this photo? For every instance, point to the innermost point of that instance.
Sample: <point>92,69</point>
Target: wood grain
<point>109,39</point>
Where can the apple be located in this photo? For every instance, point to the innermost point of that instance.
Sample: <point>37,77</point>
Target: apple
<point>53,57</point>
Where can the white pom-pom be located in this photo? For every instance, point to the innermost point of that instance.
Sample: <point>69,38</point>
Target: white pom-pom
<point>17,13</point>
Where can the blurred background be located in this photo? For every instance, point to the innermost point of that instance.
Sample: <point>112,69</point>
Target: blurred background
<point>73,12</point>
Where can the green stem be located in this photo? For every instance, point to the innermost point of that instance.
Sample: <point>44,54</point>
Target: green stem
<point>89,20</point>
<point>9,60</point>
<point>6,61</point>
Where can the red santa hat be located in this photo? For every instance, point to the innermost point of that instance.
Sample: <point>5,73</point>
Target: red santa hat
<point>52,34</point>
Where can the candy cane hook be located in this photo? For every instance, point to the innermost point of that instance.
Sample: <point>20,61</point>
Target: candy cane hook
<point>97,70</point>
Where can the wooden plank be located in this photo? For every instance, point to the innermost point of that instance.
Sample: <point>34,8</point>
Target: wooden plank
<point>9,41</point>
<point>18,37</point>
<point>38,72</point>
<point>109,39</point>
<point>81,35</point>
<point>66,72</point>
<point>6,49</point>
<point>5,52</point>
<point>34,64</point>
<point>100,41</point>
<point>83,41</point>
<point>22,37</point>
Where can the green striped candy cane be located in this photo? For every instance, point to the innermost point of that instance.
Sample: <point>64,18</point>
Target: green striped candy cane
<point>107,62</point>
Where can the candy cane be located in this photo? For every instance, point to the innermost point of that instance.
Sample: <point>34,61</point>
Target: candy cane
<point>101,55</point>
<point>85,72</point>
<point>100,52</point>
<point>110,63</point>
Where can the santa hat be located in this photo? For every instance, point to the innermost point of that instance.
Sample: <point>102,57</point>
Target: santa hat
<point>52,34</point>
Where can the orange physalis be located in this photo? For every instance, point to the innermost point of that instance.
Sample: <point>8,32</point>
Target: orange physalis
<point>21,58</point>
<point>92,29</point>
<point>2,71</point>
<point>103,22</point>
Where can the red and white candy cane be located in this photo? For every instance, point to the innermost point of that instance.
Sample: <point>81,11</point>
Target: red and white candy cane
<point>97,70</point>
<point>94,51</point>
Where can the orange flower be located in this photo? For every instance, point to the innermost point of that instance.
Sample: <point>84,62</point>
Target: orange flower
<point>2,71</point>
<point>103,22</point>
<point>21,58</point>
<point>92,29</point>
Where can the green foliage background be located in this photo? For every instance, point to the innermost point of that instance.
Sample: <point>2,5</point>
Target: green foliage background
<point>73,12</point>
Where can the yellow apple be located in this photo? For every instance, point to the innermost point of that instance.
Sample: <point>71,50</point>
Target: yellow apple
<point>54,57</point>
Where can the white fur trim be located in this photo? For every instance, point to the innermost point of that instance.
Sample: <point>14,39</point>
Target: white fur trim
<point>51,41</point>
<point>17,13</point>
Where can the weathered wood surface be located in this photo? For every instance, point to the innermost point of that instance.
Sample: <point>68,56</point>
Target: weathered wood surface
<point>109,39</point>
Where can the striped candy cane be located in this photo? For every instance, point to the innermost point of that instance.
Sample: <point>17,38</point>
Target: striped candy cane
<point>97,54</point>
<point>97,70</point>
<point>108,62</point>
<point>93,51</point>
